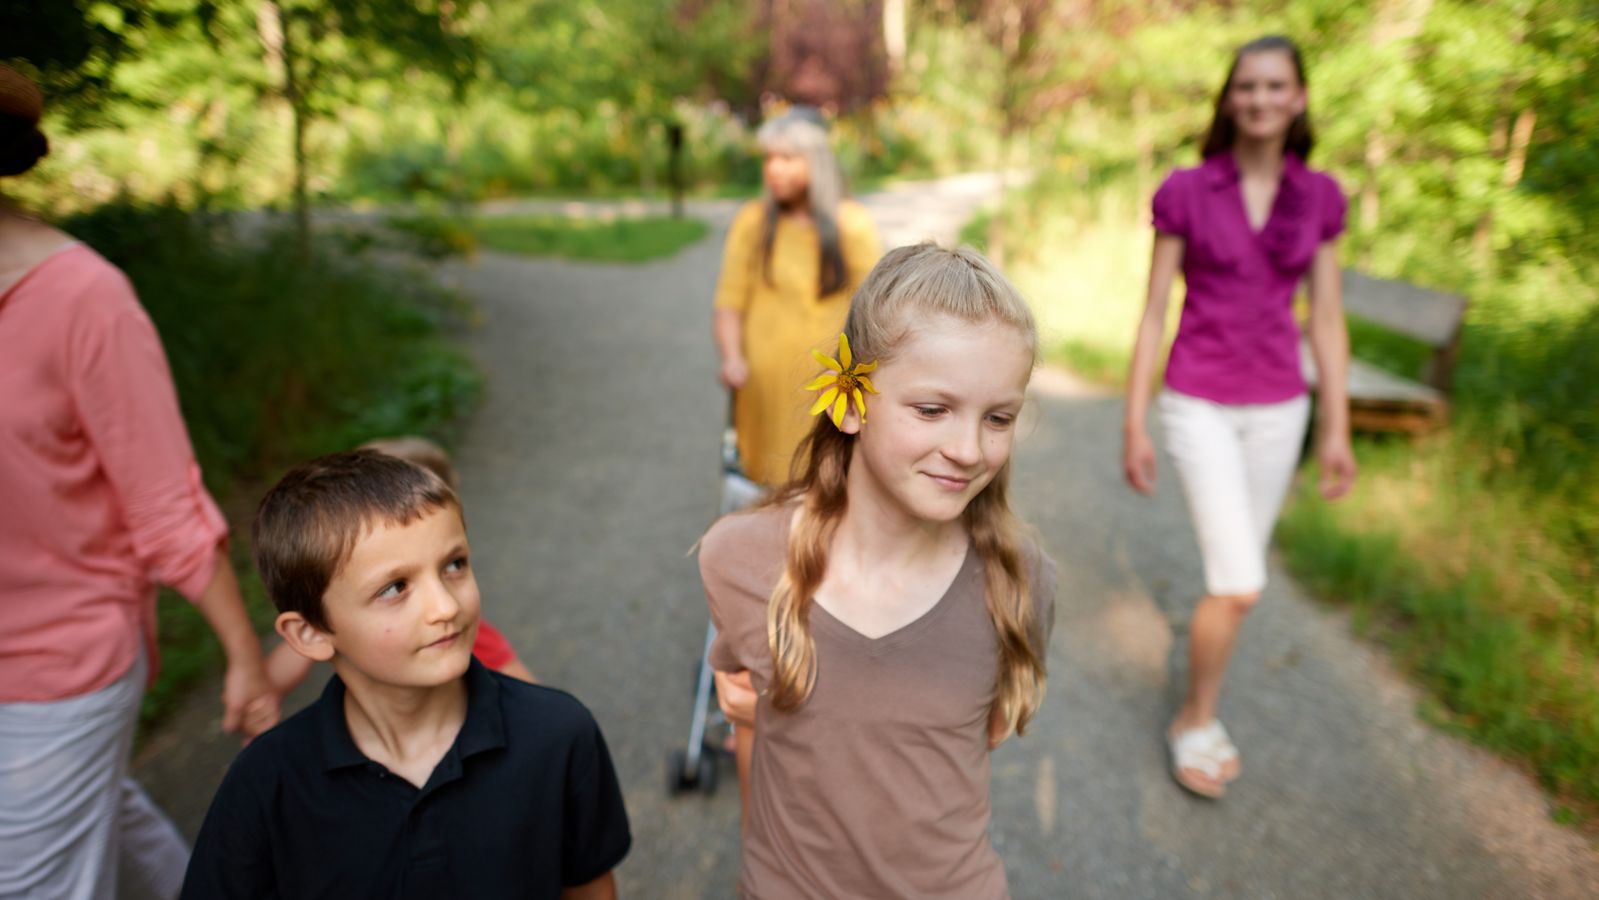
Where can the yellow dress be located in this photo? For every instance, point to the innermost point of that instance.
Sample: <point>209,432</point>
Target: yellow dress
<point>784,320</point>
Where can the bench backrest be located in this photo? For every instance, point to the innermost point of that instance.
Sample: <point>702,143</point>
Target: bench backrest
<point>1432,317</point>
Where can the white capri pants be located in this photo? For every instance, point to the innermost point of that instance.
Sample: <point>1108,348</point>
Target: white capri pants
<point>1235,463</point>
<point>73,825</point>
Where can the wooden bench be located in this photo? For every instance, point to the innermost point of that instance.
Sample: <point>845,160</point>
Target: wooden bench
<point>1380,400</point>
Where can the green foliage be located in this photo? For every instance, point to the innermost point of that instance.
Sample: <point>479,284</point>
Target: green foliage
<point>334,338</point>
<point>611,240</point>
<point>275,363</point>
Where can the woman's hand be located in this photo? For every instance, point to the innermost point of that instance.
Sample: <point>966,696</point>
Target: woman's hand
<point>735,693</point>
<point>1138,461</point>
<point>735,371</point>
<point>1337,461</point>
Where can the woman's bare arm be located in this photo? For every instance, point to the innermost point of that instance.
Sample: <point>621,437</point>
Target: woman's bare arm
<point>727,327</point>
<point>1138,453</point>
<point>1329,343</point>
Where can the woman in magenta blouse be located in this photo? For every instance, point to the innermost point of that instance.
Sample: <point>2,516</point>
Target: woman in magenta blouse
<point>1245,227</point>
<point>100,500</point>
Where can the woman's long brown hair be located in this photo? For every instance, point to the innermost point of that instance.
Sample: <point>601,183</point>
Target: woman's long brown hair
<point>908,285</point>
<point>1223,130</point>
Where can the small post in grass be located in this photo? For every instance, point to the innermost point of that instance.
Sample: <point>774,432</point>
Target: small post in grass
<point>674,165</point>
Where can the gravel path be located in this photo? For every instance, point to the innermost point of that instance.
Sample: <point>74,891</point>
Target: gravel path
<point>591,470</point>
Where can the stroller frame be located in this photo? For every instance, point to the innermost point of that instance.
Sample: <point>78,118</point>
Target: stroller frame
<point>694,768</point>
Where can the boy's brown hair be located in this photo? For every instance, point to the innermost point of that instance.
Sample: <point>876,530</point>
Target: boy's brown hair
<point>307,525</point>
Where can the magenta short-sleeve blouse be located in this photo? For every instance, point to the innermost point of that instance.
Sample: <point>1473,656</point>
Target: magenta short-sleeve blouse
<point>1238,342</point>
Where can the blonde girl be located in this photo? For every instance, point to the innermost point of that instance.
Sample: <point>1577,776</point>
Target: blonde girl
<point>890,610</point>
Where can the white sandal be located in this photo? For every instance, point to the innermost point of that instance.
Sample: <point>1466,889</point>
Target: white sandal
<point>1205,749</point>
<point>1222,746</point>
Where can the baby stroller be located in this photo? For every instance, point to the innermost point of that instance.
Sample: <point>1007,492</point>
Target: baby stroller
<point>694,768</point>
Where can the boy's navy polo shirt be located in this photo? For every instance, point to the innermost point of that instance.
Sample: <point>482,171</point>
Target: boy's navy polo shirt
<point>525,802</point>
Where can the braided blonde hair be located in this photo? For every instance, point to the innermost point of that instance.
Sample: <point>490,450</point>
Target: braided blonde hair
<point>908,285</point>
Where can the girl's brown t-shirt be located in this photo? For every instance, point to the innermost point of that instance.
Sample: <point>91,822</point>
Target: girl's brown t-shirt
<point>878,785</point>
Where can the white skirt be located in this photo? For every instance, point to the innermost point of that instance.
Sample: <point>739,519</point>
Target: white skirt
<point>1235,463</point>
<point>73,825</point>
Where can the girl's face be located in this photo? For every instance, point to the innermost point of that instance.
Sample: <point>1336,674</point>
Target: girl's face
<point>1265,95</point>
<point>944,421</point>
<point>788,176</point>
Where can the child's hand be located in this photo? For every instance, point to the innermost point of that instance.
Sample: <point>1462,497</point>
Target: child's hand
<point>285,669</point>
<point>998,731</point>
<point>735,693</point>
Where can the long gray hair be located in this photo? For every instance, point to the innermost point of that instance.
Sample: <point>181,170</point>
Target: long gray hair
<point>800,132</point>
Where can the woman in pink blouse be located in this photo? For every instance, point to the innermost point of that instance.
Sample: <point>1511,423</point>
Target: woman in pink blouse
<point>100,500</point>
<point>1245,227</point>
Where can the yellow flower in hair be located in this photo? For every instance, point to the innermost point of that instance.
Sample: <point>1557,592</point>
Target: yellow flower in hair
<point>844,380</point>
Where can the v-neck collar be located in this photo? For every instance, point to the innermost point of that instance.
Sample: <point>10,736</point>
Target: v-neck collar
<point>1221,173</point>
<point>825,620</point>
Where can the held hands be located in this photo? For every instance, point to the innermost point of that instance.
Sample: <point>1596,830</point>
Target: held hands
<point>735,371</point>
<point>1138,461</point>
<point>250,705</point>
<point>1337,461</point>
<point>735,693</point>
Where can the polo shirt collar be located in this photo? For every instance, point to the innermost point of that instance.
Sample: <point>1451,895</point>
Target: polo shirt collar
<point>484,728</point>
<point>1221,170</point>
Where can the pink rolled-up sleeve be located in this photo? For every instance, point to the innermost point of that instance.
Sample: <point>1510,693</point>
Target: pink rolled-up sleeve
<point>128,406</point>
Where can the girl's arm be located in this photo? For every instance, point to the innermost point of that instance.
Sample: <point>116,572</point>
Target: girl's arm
<point>286,669</point>
<point>735,693</point>
<point>1329,343</point>
<point>249,704</point>
<point>743,755</point>
<point>1138,453</point>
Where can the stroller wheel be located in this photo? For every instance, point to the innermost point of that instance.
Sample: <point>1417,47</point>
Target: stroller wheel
<point>681,781</point>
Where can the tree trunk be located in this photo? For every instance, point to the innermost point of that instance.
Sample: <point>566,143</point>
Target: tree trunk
<point>1397,20</point>
<point>1370,202</point>
<point>1520,140</point>
<point>894,37</point>
<point>300,112</point>
<point>996,225</point>
<point>1143,142</point>
<point>1010,44</point>
<point>276,33</point>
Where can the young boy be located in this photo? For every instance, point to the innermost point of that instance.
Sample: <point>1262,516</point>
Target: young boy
<point>286,668</point>
<point>419,772</point>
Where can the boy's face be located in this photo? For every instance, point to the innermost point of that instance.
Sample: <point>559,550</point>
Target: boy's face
<point>404,607</point>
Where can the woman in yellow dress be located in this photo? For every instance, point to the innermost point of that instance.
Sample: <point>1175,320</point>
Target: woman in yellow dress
<point>791,263</point>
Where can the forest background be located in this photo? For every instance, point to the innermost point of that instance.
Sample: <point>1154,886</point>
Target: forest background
<point>1465,132</point>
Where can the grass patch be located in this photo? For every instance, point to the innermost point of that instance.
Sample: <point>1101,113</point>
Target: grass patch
<point>1510,669</point>
<point>600,240</point>
<point>277,359</point>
